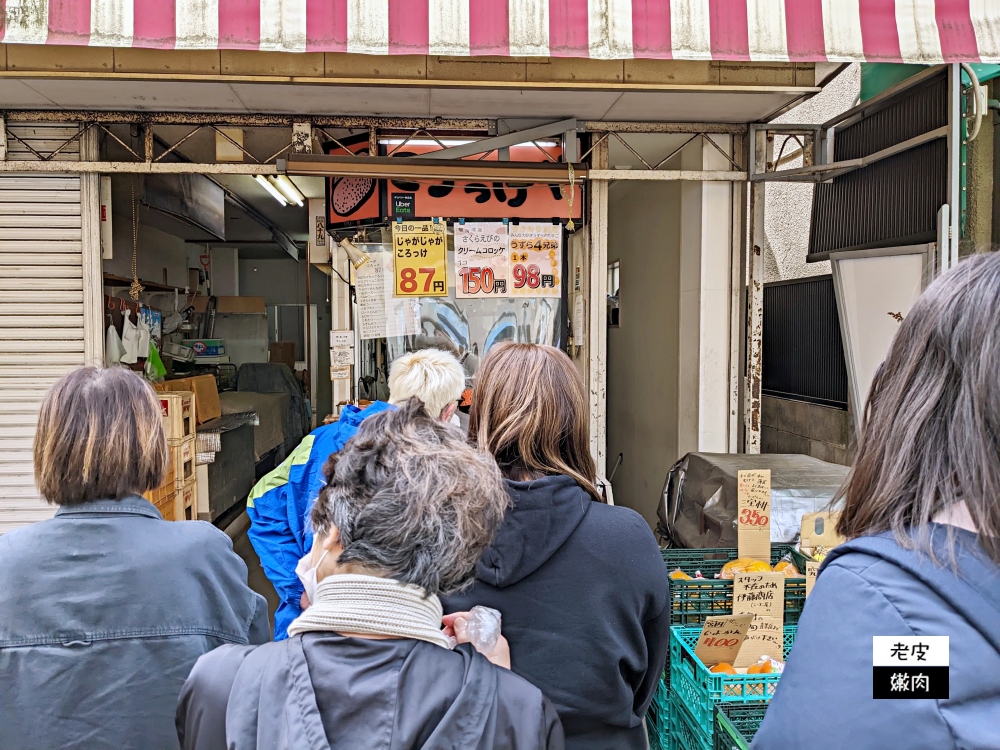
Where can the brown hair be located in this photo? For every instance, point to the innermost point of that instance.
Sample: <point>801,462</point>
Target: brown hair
<point>931,434</point>
<point>99,437</point>
<point>529,409</point>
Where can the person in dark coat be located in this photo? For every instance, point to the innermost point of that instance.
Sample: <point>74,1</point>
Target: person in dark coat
<point>922,519</point>
<point>581,585</point>
<point>105,608</point>
<point>368,663</point>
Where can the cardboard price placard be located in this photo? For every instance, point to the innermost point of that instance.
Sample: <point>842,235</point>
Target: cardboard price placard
<point>765,637</point>
<point>812,570</point>
<point>759,594</point>
<point>419,253</point>
<point>721,637</point>
<point>753,514</point>
<point>535,260</point>
<point>482,260</point>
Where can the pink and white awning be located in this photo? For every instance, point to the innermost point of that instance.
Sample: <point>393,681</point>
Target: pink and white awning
<point>920,31</point>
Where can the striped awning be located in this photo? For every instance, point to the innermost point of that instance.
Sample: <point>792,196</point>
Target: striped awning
<point>919,31</point>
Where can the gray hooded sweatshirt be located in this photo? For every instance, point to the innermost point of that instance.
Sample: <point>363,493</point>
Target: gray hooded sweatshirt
<point>320,691</point>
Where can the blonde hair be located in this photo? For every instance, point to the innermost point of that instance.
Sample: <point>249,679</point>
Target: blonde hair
<point>529,410</point>
<point>99,437</point>
<point>431,375</point>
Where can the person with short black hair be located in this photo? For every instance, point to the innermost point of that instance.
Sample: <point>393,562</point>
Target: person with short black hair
<point>105,608</point>
<point>407,509</point>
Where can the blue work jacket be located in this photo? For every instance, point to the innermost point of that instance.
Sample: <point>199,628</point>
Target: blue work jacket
<point>104,610</point>
<point>279,507</point>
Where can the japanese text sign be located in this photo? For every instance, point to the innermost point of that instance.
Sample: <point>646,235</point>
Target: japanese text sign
<point>812,570</point>
<point>481,260</point>
<point>753,514</point>
<point>765,637</point>
<point>721,637</point>
<point>535,260</point>
<point>419,253</point>
<point>763,596</point>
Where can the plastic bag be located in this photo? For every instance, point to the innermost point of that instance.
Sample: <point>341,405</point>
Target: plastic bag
<point>130,339</point>
<point>787,566</point>
<point>113,349</point>
<point>679,575</point>
<point>154,369</point>
<point>142,348</point>
<point>767,665</point>
<point>483,628</point>
<point>743,565</point>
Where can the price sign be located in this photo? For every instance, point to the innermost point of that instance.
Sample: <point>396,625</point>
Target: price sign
<point>536,260</point>
<point>482,260</point>
<point>419,253</point>
<point>721,637</point>
<point>765,637</point>
<point>753,514</point>
<point>812,570</point>
<point>763,596</point>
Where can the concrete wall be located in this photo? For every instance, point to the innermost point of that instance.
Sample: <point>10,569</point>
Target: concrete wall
<point>283,282</point>
<point>798,427</point>
<point>159,254</point>
<point>644,235</point>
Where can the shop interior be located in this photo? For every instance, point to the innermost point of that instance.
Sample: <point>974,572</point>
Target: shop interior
<point>240,308</point>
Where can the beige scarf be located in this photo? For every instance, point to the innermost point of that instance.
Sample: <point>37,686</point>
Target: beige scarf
<point>369,605</point>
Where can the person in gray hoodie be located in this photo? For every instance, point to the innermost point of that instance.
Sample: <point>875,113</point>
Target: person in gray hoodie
<point>922,519</point>
<point>368,664</point>
<point>581,585</point>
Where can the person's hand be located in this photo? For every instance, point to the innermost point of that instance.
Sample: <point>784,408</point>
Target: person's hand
<point>304,602</point>
<point>455,626</point>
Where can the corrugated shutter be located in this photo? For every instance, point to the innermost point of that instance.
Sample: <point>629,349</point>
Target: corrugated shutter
<point>42,334</point>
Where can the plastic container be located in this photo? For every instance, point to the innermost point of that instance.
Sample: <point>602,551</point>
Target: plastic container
<point>658,717</point>
<point>685,734</point>
<point>800,560</point>
<point>698,690</point>
<point>692,601</point>
<point>736,725</point>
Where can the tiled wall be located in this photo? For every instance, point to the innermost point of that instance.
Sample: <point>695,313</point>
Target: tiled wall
<point>799,427</point>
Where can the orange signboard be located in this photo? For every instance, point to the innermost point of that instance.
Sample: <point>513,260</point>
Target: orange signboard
<point>480,200</point>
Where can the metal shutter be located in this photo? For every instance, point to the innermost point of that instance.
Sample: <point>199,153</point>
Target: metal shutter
<point>42,334</point>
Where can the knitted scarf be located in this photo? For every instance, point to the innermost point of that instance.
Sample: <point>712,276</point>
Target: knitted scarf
<point>369,605</point>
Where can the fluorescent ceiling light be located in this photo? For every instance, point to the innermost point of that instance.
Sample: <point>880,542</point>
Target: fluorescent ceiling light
<point>288,189</point>
<point>447,142</point>
<point>272,190</point>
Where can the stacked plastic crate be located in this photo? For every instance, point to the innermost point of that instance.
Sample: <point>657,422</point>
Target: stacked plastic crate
<point>177,497</point>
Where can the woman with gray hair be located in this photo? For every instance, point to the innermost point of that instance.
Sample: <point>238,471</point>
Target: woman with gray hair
<point>368,664</point>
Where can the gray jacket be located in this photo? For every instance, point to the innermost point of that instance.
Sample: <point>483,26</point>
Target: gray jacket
<point>104,609</point>
<point>323,691</point>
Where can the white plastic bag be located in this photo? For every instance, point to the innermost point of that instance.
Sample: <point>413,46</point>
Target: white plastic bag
<point>130,339</point>
<point>113,349</point>
<point>144,334</point>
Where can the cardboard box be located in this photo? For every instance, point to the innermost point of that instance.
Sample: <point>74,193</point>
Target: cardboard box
<point>282,352</point>
<point>177,410</point>
<point>206,395</point>
<point>186,501</point>
<point>182,456</point>
<point>206,347</point>
<point>230,304</point>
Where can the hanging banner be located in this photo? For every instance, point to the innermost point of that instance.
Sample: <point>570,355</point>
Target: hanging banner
<point>482,263</point>
<point>535,260</point>
<point>419,253</point>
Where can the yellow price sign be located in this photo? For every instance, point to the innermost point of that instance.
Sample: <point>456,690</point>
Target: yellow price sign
<point>419,255</point>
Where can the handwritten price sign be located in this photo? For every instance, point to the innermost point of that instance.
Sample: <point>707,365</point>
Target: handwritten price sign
<point>419,253</point>
<point>721,638</point>
<point>536,260</point>
<point>482,260</point>
<point>753,514</point>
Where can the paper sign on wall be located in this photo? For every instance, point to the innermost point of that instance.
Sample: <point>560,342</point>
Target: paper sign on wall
<point>721,637</point>
<point>482,265</point>
<point>379,313</point>
<point>419,251</point>
<point>536,260</point>
<point>812,570</point>
<point>340,373</point>
<point>341,339</point>
<point>753,514</point>
<point>341,357</point>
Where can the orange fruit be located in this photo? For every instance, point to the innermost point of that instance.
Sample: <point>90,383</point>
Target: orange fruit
<point>788,569</point>
<point>723,668</point>
<point>764,668</point>
<point>743,565</point>
<point>680,575</point>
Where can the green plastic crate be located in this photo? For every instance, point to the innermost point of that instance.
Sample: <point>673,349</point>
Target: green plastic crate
<point>693,601</point>
<point>698,689</point>
<point>653,735</point>
<point>736,725</point>
<point>685,734</point>
<point>801,560</point>
<point>658,715</point>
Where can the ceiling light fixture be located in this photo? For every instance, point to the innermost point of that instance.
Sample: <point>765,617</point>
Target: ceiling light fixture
<point>272,190</point>
<point>288,189</point>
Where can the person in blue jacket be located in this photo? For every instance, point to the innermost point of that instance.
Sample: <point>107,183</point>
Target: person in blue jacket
<point>279,504</point>
<point>922,519</point>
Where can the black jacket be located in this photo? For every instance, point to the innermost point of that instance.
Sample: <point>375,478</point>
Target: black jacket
<point>584,596</point>
<point>323,691</point>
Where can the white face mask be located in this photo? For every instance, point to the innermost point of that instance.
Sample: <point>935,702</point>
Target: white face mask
<point>306,572</point>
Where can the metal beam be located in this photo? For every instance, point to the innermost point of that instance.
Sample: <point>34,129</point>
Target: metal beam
<point>731,128</point>
<point>504,141</point>
<point>696,175</point>
<point>420,168</point>
<point>136,167</point>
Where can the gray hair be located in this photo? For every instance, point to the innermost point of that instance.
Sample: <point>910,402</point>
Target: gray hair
<point>412,500</point>
<point>931,434</point>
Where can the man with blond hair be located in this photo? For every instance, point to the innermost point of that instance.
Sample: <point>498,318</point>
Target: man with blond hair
<point>279,504</point>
